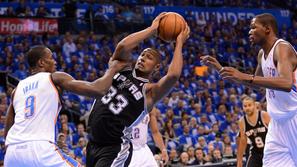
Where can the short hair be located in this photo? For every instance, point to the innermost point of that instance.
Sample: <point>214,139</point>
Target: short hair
<point>267,19</point>
<point>35,54</point>
<point>248,98</point>
<point>155,52</point>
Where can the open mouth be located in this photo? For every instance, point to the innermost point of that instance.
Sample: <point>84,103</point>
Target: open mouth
<point>140,65</point>
<point>251,38</point>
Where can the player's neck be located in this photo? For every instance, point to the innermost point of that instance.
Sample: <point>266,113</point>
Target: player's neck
<point>141,74</point>
<point>268,44</point>
<point>253,118</point>
<point>35,71</point>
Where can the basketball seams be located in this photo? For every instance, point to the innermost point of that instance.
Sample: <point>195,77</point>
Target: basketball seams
<point>170,28</point>
<point>173,35</point>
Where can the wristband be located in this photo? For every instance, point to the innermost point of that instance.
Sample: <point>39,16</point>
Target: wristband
<point>221,69</point>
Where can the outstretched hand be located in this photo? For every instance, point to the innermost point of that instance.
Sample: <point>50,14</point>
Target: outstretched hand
<point>183,35</point>
<point>233,74</point>
<point>156,21</point>
<point>212,62</point>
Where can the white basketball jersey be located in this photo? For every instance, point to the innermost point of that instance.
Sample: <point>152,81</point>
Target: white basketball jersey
<point>36,105</point>
<point>280,105</point>
<point>140,133</point>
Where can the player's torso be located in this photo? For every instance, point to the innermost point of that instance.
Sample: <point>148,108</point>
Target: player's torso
<point>36,105</point>
<point>118,109</point>
<point>280,104</point>
<point>256,133</point>
<point>140,133</point>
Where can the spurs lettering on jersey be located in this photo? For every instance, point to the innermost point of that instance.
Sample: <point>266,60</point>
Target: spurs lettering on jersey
<point>255,131</point>
<point>116,108</point>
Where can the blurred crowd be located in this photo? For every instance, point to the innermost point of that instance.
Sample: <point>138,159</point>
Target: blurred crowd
<point>198,119</point>
<point>204,3</point>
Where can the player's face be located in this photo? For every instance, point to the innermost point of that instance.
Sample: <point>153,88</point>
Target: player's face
<point>257,32</point>
<point>50,63</point>
<point>147,62</point>
<point>249,107</point>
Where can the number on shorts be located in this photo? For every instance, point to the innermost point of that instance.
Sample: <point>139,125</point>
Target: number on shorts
<point>259,142</point>
<point>29,106</point>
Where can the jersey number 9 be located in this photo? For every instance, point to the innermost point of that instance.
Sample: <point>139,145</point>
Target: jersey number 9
<point>29,106</point>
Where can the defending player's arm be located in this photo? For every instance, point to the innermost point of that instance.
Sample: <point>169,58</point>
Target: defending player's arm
<point>162,87</point>
<point>242,143</point>
<point>285,57</point>
<point>92,89</point>
<point>125,46</point>
<point>157,135</point>
<point>213,62</point>
<point>286,63</point>
<point>9,120</point>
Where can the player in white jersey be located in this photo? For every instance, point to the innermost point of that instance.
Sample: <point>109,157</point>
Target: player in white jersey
<point>276,71</point>
<point>34,108</point>
<point>142,155</point>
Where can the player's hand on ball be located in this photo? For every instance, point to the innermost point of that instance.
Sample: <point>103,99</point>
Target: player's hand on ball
<point>183,35</point>
<point>117,65</point>
<point>156,21</point>
<point>211,61</point>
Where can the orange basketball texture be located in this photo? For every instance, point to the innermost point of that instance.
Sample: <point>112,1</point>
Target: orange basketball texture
<point>170,26</point>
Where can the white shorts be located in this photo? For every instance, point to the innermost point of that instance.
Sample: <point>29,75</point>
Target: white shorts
<point>37,154</point>
<point>143,157</point>
<point>281,144</point>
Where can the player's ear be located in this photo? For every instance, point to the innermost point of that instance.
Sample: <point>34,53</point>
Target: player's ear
<point>267,29</point>
<point>40,63</point>
<point>157,67</point>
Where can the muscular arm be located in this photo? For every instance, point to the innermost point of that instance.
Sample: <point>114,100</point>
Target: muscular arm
<point>164,85</point>
<point>92,89</point>
<point>125,46</point>
<point>9,120</point>
<point>157,135</point>
<point>155,131</point>
<point>242,143</point>
<point>286,62</point>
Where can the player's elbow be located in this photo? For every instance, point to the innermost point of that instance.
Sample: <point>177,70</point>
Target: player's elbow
<point>173,76</point>
<point>99,92</point>
<point>122,46</point>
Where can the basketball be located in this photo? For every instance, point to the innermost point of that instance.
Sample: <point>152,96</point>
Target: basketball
<point>170,26</point>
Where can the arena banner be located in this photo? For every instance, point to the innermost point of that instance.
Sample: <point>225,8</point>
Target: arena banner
<point>149,12</point>
<point>55,9</point>
<point>219,14</point>
<point>25,26</point>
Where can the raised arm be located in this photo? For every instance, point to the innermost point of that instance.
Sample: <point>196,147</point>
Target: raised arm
<point>9,120</point>
<point>92,89</point>
<point>286,60</point>
<point>160,89</point>
<point>242,143</point>
<point>125,46</point>
<point>214,63</point>
<point>157,135</point>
